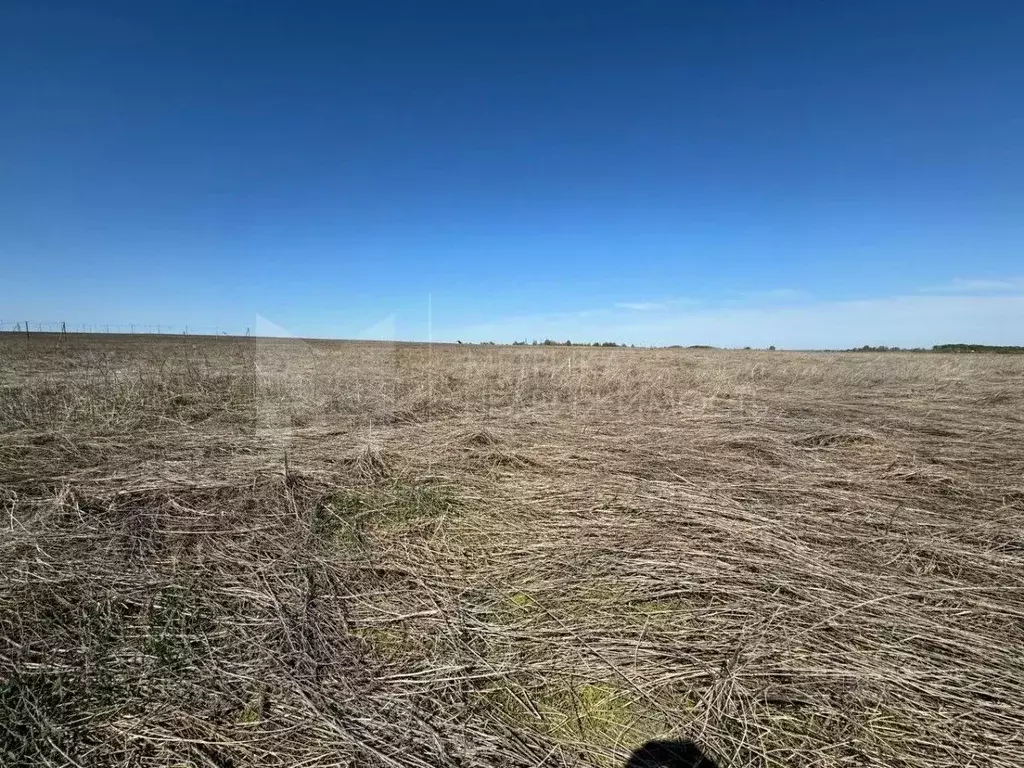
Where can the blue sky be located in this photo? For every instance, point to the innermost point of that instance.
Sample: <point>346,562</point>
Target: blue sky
<point>810,174</point>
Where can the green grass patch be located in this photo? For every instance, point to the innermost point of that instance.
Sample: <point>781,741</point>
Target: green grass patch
<point>340,519</point>
<point>345,516</point>
<point>664,608</point>
<point>255,708</point>
<point>521,600</point>
<point>600,716</point>
<point>388,644</point>
<point>414,502</point>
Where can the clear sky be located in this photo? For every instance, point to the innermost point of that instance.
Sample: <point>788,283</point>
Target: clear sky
<point>800,173</point>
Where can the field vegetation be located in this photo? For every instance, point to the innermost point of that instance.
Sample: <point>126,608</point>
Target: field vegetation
<point>228,552</point>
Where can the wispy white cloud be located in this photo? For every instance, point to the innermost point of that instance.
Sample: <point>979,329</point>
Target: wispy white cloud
<point>906,321</point>
<point>961,285</point>
<point>768,297</point>
<point>640,306</point>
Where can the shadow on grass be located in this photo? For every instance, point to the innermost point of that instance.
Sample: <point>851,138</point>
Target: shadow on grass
<point>670,754</point>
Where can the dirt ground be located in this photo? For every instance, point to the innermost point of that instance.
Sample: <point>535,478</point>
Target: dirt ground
<point>257,552</point>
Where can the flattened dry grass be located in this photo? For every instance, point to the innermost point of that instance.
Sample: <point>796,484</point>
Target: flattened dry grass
<point>223,552</point>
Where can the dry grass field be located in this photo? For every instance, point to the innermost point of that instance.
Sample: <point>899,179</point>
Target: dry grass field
<point>250,552</point>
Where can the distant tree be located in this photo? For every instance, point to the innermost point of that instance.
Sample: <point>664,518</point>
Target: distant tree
<point>771,348</point>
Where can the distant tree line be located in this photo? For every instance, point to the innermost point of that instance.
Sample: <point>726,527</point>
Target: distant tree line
<point>567,343</point>
<point>1006,350</point>
<point>866,348</point>
<point>883,348</point>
